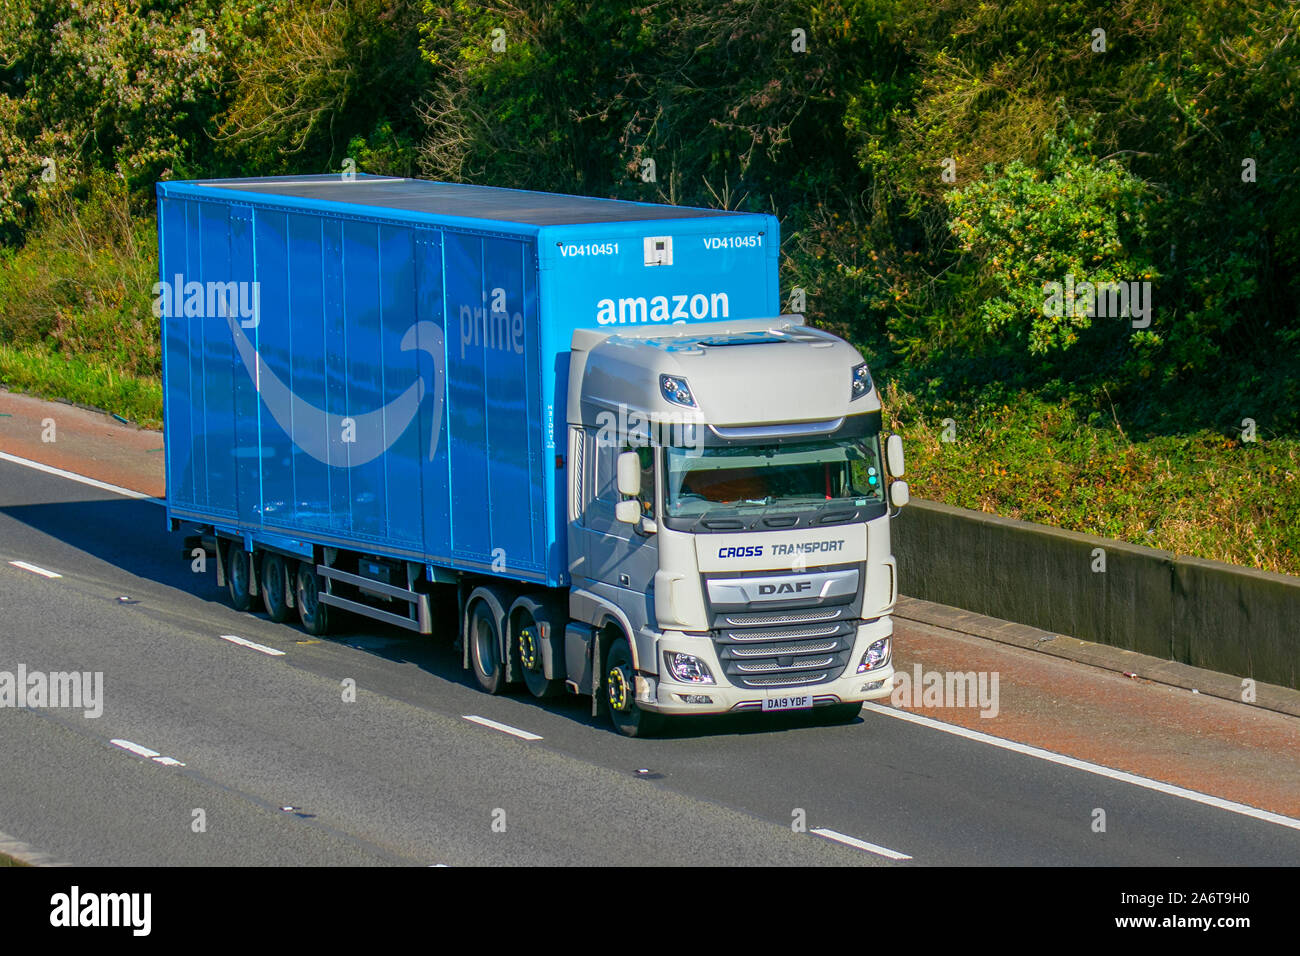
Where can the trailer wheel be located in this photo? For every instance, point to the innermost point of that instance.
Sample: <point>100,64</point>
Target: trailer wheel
<point>528,646</point>
<point>312,614</point>
<point>239,574</point>
<point>274,587</point>
<point>485,649</point>
<point>620,695</point>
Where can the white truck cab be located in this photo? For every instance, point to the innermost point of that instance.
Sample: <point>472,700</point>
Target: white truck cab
<point>729,507</point>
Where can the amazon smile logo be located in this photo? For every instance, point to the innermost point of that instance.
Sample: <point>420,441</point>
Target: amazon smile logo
<point>347,441</point>
<point>340,441</point>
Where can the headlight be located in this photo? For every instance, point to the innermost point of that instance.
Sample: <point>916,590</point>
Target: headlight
<point>676,390</point>
<point>877,655</point>
<point>687,668</point>
<point>861,381</point>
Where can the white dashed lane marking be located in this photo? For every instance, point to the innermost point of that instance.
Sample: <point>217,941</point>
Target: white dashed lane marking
<point>504,728</point>
<point>252,645</point>
<point>860,844</point>
<point>35,570</point>
<point>142,751</point>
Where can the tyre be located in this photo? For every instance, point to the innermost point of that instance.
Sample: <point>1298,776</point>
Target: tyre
<point>837,713</point>
<point>239,576</point>
<point>620,695</point>
<point>275,588</point>
<point>528,648</point>
<point>485,649</point>
<point>312,614</point>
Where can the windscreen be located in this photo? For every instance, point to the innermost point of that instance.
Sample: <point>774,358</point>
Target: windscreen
<point>773,478</point>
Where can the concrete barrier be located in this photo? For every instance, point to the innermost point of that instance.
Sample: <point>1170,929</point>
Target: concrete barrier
<point>1237,620</point>
<point>1180,608</point>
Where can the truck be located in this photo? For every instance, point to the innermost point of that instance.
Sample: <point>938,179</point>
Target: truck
<point>581,426</point>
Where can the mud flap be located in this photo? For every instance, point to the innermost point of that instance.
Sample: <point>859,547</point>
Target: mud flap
<point>221,564</point>
<point>464,628</point>
<point>513,675</point>
<point>597,671</point>
<point>290,585</point>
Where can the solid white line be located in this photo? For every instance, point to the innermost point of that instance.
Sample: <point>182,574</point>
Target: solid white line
<point>1121,775</point>
<point>73,476</point>
<point>250,644</point>
<point>136,748</point>
<point>861,844</point>
<point>35,570</point>
<point>504,728</point>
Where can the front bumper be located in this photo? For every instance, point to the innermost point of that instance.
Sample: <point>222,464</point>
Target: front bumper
<point>661,694</point>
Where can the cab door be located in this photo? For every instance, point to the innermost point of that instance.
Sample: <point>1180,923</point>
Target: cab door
<point>619,560</point>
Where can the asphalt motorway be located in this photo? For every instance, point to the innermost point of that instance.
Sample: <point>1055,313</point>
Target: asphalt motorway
<point>230,755</point>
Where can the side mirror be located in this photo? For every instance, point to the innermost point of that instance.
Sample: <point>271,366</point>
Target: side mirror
<point>899,493</point>
<point>894,455</point>
<point>629,475</point>
<point>628,512</point>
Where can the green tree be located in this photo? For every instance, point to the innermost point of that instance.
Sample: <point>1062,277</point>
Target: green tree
<point>1025,227</point>
<point>100,85</point>
<point>316,82</point>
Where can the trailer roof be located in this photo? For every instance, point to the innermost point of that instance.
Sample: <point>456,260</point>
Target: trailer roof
<point>461,199</point>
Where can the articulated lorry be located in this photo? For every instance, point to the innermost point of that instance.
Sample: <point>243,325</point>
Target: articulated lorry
<point>581,423</point>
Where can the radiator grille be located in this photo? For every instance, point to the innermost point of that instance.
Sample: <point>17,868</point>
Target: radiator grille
<point>776,618</point>
<point>785,657</point>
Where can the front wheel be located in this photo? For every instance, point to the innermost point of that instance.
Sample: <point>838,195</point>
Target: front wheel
<point>620,695</point>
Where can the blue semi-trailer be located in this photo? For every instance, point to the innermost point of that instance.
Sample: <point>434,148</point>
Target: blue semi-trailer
<point>583,423</point>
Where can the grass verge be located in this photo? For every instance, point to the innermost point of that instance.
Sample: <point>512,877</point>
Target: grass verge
<point>85,382</point>
<point>1203,493</point>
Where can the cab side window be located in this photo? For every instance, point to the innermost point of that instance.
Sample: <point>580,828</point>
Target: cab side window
<point>649,492</point>
<point>605,489</point>
<point>605,478</point>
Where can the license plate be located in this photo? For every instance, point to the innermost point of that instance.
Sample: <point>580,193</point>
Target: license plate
<point>802,702</point>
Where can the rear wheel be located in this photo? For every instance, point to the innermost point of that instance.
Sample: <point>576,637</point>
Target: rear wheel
<point>239,576</point>
<point>528,645</point>
<point>485,649</point>
<point>274,589</point>
<point>620,695</point>
<point>312,614</point>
